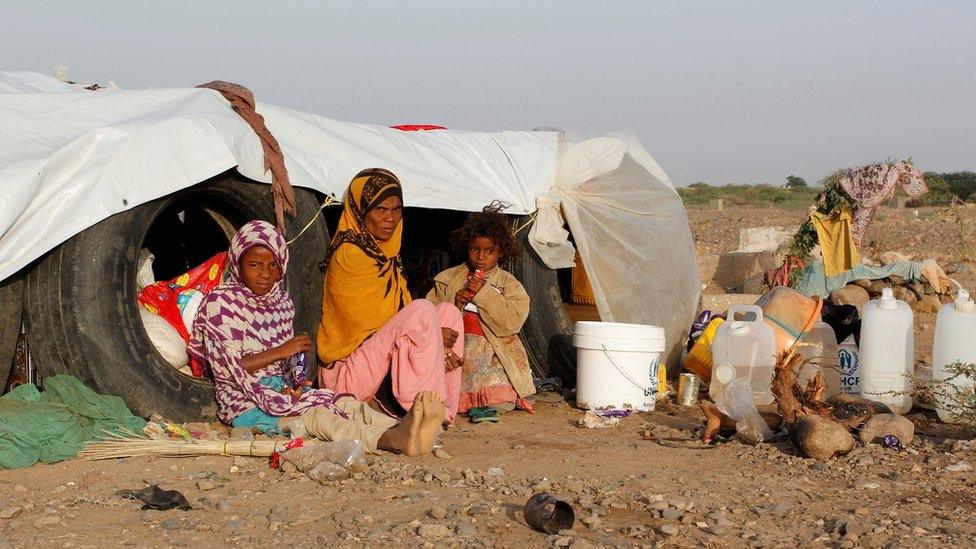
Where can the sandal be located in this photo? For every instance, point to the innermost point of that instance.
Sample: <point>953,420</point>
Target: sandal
<point>483,414</point>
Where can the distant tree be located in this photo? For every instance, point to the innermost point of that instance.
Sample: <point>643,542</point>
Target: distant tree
<point>962,184</point>
<point>794,181</point>
<point>698,185</point>
<point>940,193</point>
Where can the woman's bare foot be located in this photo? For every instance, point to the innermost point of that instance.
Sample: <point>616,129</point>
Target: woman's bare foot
<point>415,435</point>
<point>434,414</point>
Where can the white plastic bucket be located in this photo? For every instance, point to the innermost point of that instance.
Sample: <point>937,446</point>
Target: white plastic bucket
<point>616,364</point>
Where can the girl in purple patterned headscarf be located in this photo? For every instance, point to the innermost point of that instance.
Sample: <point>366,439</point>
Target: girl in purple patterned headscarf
<point>244,333</point>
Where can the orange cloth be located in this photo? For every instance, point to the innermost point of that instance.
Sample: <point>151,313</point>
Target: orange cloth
<point>364,284</point>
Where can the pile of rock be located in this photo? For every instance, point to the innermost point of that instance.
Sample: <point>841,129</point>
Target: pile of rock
<point>921,296</point>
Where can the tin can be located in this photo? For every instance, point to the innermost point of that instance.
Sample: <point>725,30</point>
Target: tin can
<point>688,385</point>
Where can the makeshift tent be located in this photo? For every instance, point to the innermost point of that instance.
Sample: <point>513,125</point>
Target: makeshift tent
<point>70,158</point>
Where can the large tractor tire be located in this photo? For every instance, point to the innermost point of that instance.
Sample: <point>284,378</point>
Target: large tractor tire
<point>11,309</point>
<point>83,318</point>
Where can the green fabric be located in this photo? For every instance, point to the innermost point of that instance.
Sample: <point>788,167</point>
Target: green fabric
<point>54,425</point>
<point>813,281</point>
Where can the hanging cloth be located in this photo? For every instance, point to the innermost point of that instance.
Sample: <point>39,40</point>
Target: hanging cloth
<point>836,241</point>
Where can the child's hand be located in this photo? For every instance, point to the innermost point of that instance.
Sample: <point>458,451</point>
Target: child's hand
<point>449,336</point>
<point>475,283</point>
<point>295,394</point>
<point>462,298</point>
<point>297,344</point>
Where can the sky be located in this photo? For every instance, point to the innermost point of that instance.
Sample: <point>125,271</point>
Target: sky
<point>720,92</point>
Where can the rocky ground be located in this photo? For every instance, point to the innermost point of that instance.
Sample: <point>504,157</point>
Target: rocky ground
<point>626,490</point>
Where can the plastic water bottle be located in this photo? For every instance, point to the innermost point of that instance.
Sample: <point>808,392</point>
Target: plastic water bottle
<point>887,352</point>
<point>955,341</point>
<point>744,349</point>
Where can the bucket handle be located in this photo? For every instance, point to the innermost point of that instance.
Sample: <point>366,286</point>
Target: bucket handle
<point>622,372</point>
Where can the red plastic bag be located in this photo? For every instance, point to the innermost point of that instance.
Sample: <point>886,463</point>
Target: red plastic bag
<point>165,298</point>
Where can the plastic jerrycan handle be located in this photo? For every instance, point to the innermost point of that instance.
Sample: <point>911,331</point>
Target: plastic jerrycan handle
<point>963,303</point>
<point>755,309</point>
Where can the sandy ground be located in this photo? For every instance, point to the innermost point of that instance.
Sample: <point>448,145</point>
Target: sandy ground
<point>627,491</point>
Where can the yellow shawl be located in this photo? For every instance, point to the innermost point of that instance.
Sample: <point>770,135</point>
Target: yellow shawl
<point>364,284</point>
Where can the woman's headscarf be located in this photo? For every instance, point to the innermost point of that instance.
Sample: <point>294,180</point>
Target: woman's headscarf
<point>364,284</point>
<point>233,322</point>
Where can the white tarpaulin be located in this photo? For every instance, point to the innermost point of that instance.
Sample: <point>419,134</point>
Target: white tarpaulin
<point>70,158</point>
<point>632,233</point>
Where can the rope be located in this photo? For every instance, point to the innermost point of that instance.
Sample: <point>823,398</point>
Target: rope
<point>329,201</point>
<point>526,224</point>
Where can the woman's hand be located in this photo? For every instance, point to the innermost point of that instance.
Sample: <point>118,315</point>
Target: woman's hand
<point>462,298</point>
<point>450,337</point>
<point>297,344</point>
<point>452,361</point>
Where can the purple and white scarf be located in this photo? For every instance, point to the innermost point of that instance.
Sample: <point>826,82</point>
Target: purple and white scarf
<point>233,322</point>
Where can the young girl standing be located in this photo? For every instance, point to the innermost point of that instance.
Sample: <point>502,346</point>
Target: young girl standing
<point>494,305</point>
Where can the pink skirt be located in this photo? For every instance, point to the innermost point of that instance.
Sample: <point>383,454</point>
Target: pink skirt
<point>409,349</point>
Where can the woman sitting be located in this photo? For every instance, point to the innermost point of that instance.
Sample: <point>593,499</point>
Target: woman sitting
<point>494,304</point>
<point>373,341</point>
<point>244,332</point>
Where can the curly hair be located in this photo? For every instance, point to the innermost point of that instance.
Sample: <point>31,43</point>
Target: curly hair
<point>489,223</point>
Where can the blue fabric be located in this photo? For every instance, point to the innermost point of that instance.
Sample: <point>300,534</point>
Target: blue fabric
<point>813,281</point>
<point>256,418</point>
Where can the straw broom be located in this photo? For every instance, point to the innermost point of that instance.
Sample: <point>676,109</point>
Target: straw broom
<point>128,444</point>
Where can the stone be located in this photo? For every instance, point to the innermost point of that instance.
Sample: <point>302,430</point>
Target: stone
<point>224,505</point>
<point>820,438</point>
<point>563,541</point>
<point>443,476</point>
<point>20,488</point>
<point>207,484</point>
<point>851,411</point>
<point>47,520</point>
<point>671,514</point>
<point>850,295</point>
<point>542,486</point>
<point>852,527</point>
<point>441,453</point>
<point>958,467</point>
<point>781,509</point>
<point>862,282</point>
<point>496,472</point>
<point>755,284</point>
<point>592,522</point>
<point>170,525</point>
<point>875,429</point>
<point>668,530</point>
<point>438,512</point>
<point>904,294</point>
<point>465,530</point>
<point>11,512</point>
<point>878,286</point>
<point>433,531</point>
<point>575,486</point>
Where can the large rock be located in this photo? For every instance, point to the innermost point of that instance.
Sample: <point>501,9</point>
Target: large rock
<point>850,295</point>
<point>734,268</point>
<point>820,438</point>
<point>764,239</point>
<point>877,287</point>
<point>875,429</point>
<point>904,294</point>
<point>851,411</point>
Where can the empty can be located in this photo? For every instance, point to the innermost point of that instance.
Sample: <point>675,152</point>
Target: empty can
<point>688,385</point>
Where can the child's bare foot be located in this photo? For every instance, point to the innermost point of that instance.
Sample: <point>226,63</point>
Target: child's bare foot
<point>415,435</point>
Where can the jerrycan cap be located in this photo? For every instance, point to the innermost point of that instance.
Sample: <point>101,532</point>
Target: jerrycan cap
<point>963,303</point>
<point>887,301</point>
<point>725,373</point>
